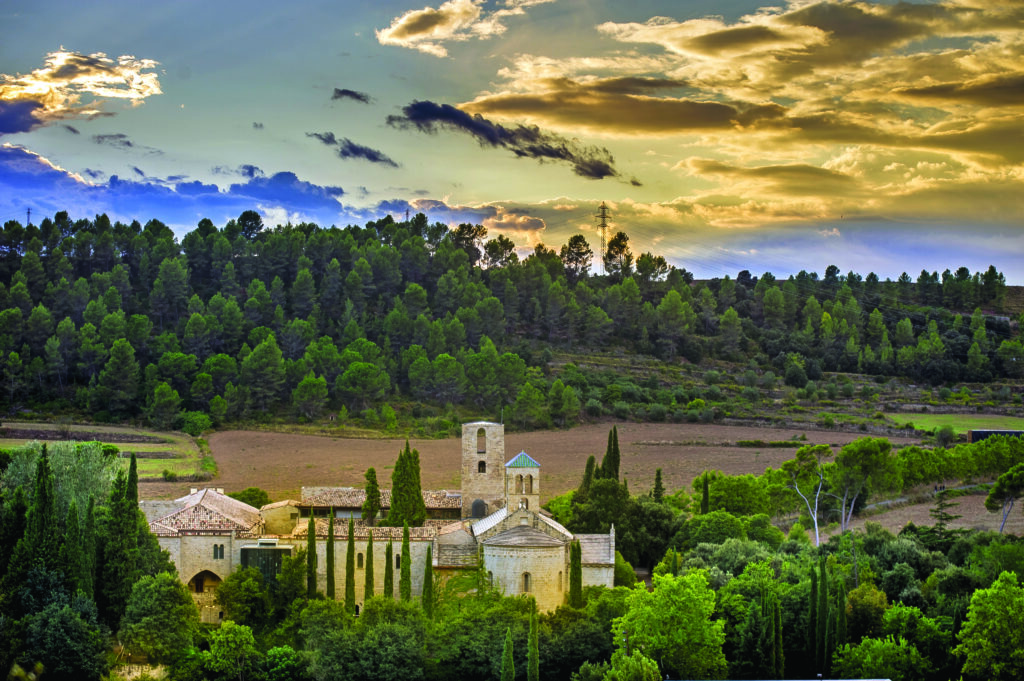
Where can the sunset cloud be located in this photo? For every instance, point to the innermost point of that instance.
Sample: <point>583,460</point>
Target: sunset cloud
<point>347,149</point>
<point>71,84</point>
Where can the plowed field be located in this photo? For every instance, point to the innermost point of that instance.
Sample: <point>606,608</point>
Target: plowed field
<point>282,463</point>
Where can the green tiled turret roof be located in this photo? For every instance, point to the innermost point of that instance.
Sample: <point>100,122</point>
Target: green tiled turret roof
<point>522,460</point>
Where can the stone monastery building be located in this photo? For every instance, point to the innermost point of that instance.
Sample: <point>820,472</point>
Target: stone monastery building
<point>496,515</point>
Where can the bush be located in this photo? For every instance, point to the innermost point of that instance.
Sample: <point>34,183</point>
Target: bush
<point>796,376</point>
<point>621,409</point>
<point>624,573</point>
<point>196,423</point>
<point>170,476</point>
<point>657,412</point>
<point>594,407</point>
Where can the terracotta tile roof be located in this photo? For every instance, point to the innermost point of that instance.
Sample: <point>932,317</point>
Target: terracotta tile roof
<point>207,511</point>
<point>353,497</point>
<point>361,530</point>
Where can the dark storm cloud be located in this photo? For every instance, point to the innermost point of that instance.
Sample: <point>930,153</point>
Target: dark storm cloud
<point>525,141</point>
<point>245,170</point>
<point>72,129</point>
<point>19,116</point>
<point>345,93</point>
<point>1000,90</point>
<point>116,140</point>
<point>346,149</point>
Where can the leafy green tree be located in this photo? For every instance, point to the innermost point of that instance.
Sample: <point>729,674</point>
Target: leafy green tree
<point>672,625</point>
<point>405,579</point>
<point>161,620</point>
<point>887,658</point>
<point>66,640</point>
<point>806,477</point>
<point>864,464</point>
<point>362,383</point>
<point>576,255</point>
<point>310,396</point>
<point>245,598</point>
<point>254,496</point>
<point>1008,488</point>
<point>169,297</point>
<point>233,652</point>
<point>371,506</point>
<point>992,637</point>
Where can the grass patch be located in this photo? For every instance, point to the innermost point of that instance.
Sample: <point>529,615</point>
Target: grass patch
<point>961,423</point>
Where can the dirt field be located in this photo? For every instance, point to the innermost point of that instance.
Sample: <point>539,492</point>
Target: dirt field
<point>283,463</point>
<point>972,508</point>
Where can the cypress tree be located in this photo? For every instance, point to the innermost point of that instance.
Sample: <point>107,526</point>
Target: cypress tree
<point>610,462</point>
<point>812,619</point>
<point>823,616</point>
<point>350,569</point>
<point>371,507</point>
<point>389,572</point>
<point>405,579</point>
<point>311,558</point>
<point>418,508</point>
<point>508,669</point>
<point>88,579</point>
<point>71,558</point>
<point>330,557</point>
<point>589,473</point>
<point>131,492</point>
<point>407,504</point>
<point>658,493</point>
<point>120,541</point>
<point>575,575</point>
<point>42,529</point>
<point>533,650</point>
<point>705,497</point>
<point>368,588</point>
<point>780,655</point>
<point>830,643</point>
<point>841,635</point>
<point>428,584</point>
<point>12,526</point>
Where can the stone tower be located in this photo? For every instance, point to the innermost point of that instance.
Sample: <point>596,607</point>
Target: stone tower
<point>483,474</point>
<point>522,482</point>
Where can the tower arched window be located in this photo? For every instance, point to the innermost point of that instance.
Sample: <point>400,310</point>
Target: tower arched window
<point>481,441</point>
<point>529,484</point>
<point>481,467</point>
<point>519,484</point>
<point>526,582</point>
<point>359,561</point>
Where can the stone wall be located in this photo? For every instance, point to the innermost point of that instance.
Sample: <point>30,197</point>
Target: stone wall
<point>417,549</point>
<point>547,567</point>
<point>599,575</point>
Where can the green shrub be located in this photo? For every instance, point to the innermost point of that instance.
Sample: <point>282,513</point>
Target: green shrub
<point>621,409</point>
<point>170,476</point>
<point>594,407</point>
<point>196,423</point>
<point>657,412</point>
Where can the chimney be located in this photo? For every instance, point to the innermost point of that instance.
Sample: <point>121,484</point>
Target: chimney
<point>193,490</point>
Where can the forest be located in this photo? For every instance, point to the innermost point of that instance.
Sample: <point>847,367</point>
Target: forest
<point>420,322</point>
<point>418,326</point>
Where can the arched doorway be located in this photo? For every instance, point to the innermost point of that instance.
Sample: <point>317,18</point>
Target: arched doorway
<point>479,508</point>
<point>204,582</point>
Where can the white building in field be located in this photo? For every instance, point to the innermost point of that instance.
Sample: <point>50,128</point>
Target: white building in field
<point>495,517</point>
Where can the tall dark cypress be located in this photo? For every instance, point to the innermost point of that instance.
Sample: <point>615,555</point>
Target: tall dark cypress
<point>368,586</point>
<point>71,554</point>
<point>705,497</point>
<point>575,575</point>
<point>610,462</point>
<point>311,557</point>
<point>823,616</point>
<point>131,492</point>
<point>389,572</point>
<point>371,507</point>
<point>405,579</point>
<point>658,493</point>
<point>780,655</point>
<point>120,541</point>
<point>533,650</point>
<point>350,569</point>
<point>42,527</point>
<point>428,584</point>
<point>841,635</point>
<point>508,668</point>
<point>589,473</point>
<point>12,525</point>
<point>812,621</point>
<point>89,559</point>
<point>329,558</point>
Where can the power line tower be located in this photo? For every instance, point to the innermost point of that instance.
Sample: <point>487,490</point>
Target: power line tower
<point>602,227</point>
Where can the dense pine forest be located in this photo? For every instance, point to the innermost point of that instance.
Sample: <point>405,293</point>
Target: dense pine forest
<point>122,322</point>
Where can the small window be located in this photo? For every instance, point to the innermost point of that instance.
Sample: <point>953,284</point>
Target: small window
<point>481,442</point>
<point>529,484</point>
<point>519,484</point>
<point>398,562</point>
<point>481,467</point>
<point>559,580</point>
<point>526,582</point>
<point>490,578</point>
<point>359,561</point>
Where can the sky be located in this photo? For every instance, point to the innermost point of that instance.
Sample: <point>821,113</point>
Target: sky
<point>724,135</point>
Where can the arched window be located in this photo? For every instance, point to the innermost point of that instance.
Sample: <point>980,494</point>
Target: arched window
<point>479,508</point>
<point>481,441</point>
<point>524,503</point>
<point>559,580</point>
<point>481,467</point>
<point>359,561</point>
<point>519,484</point>
<point>526,582</point>
<point>529,484</point>
<point>398,562</point>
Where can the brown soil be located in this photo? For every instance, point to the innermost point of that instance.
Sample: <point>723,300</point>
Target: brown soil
<point>971,508</point>
<point>282,463</point>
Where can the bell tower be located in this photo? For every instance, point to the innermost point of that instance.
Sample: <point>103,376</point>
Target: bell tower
<point>483,476</point>
<point>522,482</point>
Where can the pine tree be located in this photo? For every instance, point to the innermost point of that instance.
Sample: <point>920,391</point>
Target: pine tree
<point>118,385</point>
<point>368,587</point>
<point>311,558</point>
<point>405,579</point>
<point>389,572</point>
<point>705,497</point>
<point>330,557</point>
<point>575,576</point>
<point>428,584</point>
<point>508,669</point>
<point>533,650</point>
<point>658,493</point>
<point>371,507</point>
<point>350,569</point>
